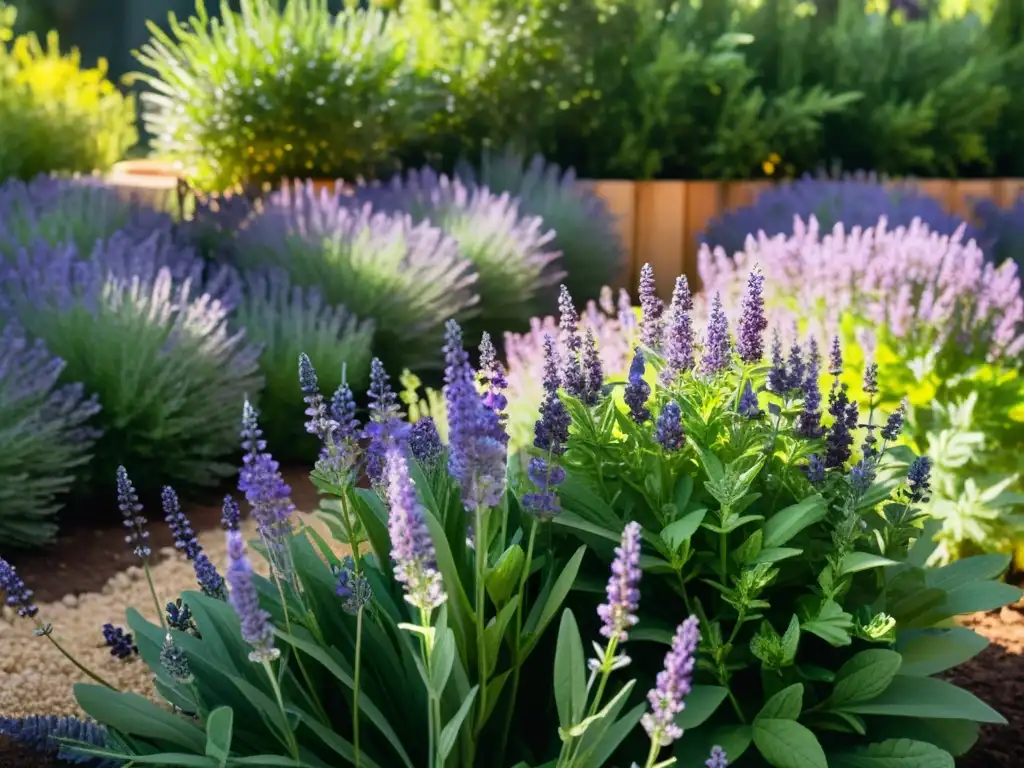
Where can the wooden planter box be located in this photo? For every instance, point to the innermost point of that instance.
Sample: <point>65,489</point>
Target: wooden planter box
<point>660,221</point>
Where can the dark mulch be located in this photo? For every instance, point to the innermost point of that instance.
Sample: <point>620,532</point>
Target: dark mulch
<point>83,558</point>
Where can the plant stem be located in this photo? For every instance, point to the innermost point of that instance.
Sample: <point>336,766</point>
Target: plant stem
<point>480,531</point>
<point>85,670</point>
<point>652,753</point>
<point>595,705</point>
<point>346,521</point>
<point>433,709</point>
<point>355,698</point>
<point>516,661</point>
<point>724,555</point>
<point>152,591</point>
<point>293,745</point>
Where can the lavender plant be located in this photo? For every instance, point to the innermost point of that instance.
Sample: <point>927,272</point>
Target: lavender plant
<point>283,91</point>
<point>48,438</point>
<point>855,201</point>
<point>405,277</point>
<point>516,265</point>
<point>943,327</point>
<point>138,325</point>
<point>284,320</point>
<point>70,211</point>
<point>1002,230</point>
<point>712,529</point>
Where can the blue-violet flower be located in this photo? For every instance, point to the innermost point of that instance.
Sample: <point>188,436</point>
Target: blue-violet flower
<point>672,686</point>
<point>257,631</point>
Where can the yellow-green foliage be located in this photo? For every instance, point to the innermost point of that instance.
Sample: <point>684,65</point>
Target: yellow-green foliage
<point>56,116</point>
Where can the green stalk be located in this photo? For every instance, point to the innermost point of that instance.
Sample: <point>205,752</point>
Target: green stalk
<point>480,531</point>
<point>355,699</point>
<point>82,668</point>
<point>293,745</point>
<point>433,710</point>
<point>517,663</point>
<point>595,705</point>
<point>152,591</point>
<point>652,753</point>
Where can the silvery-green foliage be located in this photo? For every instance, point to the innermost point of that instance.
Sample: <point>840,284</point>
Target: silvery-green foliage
<point>282,90</point>
<point>285,320</point>
<point>44,440</point>
<point>408,277</point>
<point>140,327</point>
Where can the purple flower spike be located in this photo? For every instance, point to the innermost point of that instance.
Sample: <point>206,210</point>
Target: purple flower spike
<point>569,333</point>
<point>17,595</point>
<point>651,308</point>
<point>210,582</point>
<point>119,642</point>
<point>715,357</point>
<point>718,758</point>
<point>673,685</point>
<point>320,423</point>
<point>809,421</point>
<point>918,476</point>
<point>894,424</point>
<point>131,511</point>
<point>385,424</point>
<point>425,443</point>
<point>871,378</point>
<point>412,549</point>
<point>815,470</point>
<point>477,441</point>
<point>750,334</point>
<point>839,439</point>
<point>544,504</point>
<point>551,432</point>
<point>623,592</point>
<point>264,488</point>
<point>795,367</point>
<point>668,429</point>
<point>778,382</point>
<point>835,358</point>
<point>748,407</point>
<point>185,540</point>
<point>678,348</point>
<point>492,377</point>
<point>230,514</point>
<point>637,390</point>
<point>257,631</point>
<point>343,412</point>
<point>593,372</point>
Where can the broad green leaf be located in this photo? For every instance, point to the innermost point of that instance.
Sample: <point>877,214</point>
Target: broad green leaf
<point>843,722</point>
<point>177,759</point>
<point>136,715</point>
<point>571,520</point>
<point>677,533</point>
<point>925,544</point>
<point>542,613</point>
<point>335,741</point>
<point>931,651</point>
<point>791,640</point>
<point>978,596</point>
<point>701,703</point>
<point>832,624</point>
<point>954,736</point>
<point>495,631</point>
<point>694,747</point>
<point>864,677</point>
<point>599,756</point>
<point>652,634</point>
<point>442,660</point>
<point>458,604</point>
<point>787,744</point>
<point>570,672</point>
<point>583,726</point>
<point>366,705</point>
<point>788,522</point>
<point>503,580</point>
<point>220,726</point>
<point>784,705</point>
<point>855,562</point>
<point>927,697</point>
<point>776,555</point>
<point>894,753</point>
<point>450,732</point>
<point>977,568</point>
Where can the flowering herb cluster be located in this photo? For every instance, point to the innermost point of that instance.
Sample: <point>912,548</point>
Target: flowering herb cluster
<point>738,515</point>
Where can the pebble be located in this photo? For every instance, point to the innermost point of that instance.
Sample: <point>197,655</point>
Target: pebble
<point>135,573</point>
<point>70,601</point>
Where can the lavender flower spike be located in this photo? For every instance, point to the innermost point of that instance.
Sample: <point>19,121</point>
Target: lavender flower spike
<point>551,432</point>
<point>425,443</point>
<point>678,347</point>
<point>17,595</point>
<point>672,686</point>
<point>668,429</point>
<point>809,421</point>
<point>320,423</point>
<point>385,423</point>
<point>638,390</point>
<point>593,371</point>
<point>715,357</point>
<point>230,514</point>
<point>569,331</point>
<point>717,759</point>
<point>185,540</point>
<point>778,380</point>
<point>131,511</point>
<point>651,309</point>
<point>619,613</point>
<point>412,549</point>
<point>750,334</point>
<point>257,630</point>
<point>492,376</point>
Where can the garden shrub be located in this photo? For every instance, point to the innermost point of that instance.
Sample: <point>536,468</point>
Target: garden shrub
<point>284,320</point>
<point>285,90</point>
<point>854,202</point>
<point>586,233</point>
<point>1002,230</point>
<point>137,325</point>
<point>45,441</point>
<point>946,329</point>
<point>70,211</point>
<point>54,115</point>
<point>516,266</point>
<point>712,484</point>
<point>407,277</point>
